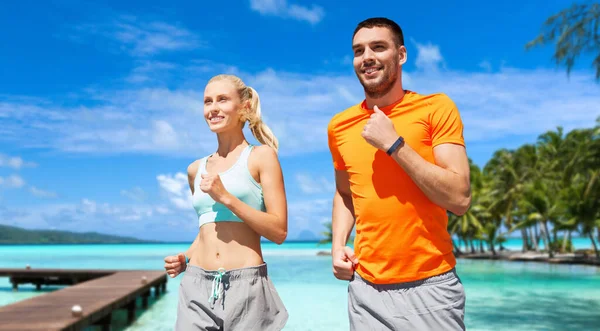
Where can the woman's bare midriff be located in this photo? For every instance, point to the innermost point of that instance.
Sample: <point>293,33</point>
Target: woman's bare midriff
<point>228,245</point>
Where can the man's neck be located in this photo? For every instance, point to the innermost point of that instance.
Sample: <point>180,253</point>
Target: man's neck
<point>395,94</point>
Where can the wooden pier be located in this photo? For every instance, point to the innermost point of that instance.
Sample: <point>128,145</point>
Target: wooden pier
<point>39,277</point>
<point>97,292</point>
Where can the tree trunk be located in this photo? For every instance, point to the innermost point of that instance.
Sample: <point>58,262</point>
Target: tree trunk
<point>525,239</point>
<point>554,233</point>
<point>492,248</point>
<point>598,233</point>
<point>594,245</point>
<point>537,233</point>
<point>566,239</point>
<point>546,239</point>
<point>456,248</point>
<point>472,246</point>
<point>534,238</point>
<point>481,250</point>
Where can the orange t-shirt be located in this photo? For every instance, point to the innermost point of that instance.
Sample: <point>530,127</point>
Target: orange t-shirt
<point>401,235</point>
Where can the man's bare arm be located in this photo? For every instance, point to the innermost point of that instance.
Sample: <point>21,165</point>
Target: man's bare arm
<point>343,211</point>
<point>446,183</point>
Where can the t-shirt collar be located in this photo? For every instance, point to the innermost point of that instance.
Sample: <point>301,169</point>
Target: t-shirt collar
<point>388,108</point>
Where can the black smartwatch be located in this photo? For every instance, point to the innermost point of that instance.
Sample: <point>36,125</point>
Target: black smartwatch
<point>395,146</point>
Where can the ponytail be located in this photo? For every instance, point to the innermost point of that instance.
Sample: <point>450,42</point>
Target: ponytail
<point>259,129</point>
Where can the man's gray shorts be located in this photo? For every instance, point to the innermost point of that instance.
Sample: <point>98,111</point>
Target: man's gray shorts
<point>240,299</point>
<point>433,304</point>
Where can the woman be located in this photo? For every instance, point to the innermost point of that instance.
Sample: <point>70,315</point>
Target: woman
<point>238,193</point>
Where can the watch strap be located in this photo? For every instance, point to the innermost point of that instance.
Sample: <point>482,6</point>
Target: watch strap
<point>395,145</point>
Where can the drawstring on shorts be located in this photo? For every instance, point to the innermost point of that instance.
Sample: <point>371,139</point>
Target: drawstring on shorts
<point>217,286</point>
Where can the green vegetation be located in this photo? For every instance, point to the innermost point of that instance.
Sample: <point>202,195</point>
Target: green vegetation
<point>329,235</point>
<point>573,31</point>
<point>546,191</point>
<point>15,235</point>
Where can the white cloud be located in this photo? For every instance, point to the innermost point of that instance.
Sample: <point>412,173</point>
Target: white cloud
<point>157,221</point>
<point>298,107</point>
<point>139,38</point>
<point>15,162</point>
<point>308,215</point>
<point>164,121</point>
<point>281,8</point>
<point>156,120</point>
<point>145,71</point>
<point>162,210</point>
<point>136,194</point>
<point>310,184</point>
<point>429,57</point>
<point>12,181</point>
<point>176,188</point>
<point>42,193</point>
<point>142,120</point>
<point>515,102</point>
<point>16,181</point>
<point>163,134</point>
<point>485,65</point>
<point>148,221</point>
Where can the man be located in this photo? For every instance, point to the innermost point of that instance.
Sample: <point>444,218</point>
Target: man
<point>400,165</point>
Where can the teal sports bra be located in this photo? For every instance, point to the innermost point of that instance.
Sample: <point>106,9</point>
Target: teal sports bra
<point>238,181</point>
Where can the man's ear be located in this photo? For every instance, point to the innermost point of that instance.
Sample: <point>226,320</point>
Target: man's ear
<point>402,55</point>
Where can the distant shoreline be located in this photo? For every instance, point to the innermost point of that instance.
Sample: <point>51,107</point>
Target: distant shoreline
<point>79,244</point>
<point>577,258</point>
<point>139,243</point>
<point>151,242</point>
<point>11,235</point>
<point>17,236</point>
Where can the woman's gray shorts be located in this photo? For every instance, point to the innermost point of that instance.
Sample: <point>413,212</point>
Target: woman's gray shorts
<point>238,299</point>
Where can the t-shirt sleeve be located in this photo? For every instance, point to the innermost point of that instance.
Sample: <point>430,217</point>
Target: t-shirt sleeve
<point>446,124</point>
<point>338,161</point>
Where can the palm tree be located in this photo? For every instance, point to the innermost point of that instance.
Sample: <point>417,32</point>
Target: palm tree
<point>468,226</point>
<point>583,204</point>
<point>508,172</point>
<point>574,31</point>
<point>581,198</point>
<point>541,200</point>
<point>453,229</point>
<point>544,189</point>
<point>328,234</point>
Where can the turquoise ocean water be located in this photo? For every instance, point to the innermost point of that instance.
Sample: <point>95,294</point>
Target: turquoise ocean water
<point>500,295</point>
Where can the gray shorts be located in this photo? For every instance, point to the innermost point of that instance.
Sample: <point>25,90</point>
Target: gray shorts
<point>239,299</point>
<point>433,304</point>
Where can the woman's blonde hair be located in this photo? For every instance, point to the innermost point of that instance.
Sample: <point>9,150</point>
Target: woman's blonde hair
<point>259,129</point>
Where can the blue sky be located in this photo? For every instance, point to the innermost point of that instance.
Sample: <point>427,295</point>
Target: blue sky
<point>100,103</point>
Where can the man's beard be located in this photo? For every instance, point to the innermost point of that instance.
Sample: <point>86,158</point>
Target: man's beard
<point>377,88</point>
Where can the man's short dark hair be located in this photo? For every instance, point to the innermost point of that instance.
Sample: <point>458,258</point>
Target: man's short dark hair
<point>382,22</point>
